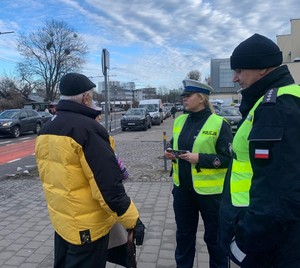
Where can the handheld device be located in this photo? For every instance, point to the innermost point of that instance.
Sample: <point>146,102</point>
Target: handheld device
<point>177,152</point>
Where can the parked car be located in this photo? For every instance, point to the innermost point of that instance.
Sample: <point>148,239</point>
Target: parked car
<point>45,116</point>
<point>136,118</point>
<point>232,115</point>
<point>14,122</point>
<point>179,107</point>
<point>216,108</point>
<point>166,112</point>
<point>155,108</point>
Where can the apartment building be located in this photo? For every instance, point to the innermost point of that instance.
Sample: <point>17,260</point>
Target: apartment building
<point>289,44</point>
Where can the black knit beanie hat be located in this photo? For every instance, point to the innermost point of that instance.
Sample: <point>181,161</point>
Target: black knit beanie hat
<point>256,52</point>
<point>72,84</point>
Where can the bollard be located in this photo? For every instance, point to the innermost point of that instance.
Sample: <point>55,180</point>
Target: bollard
<point>110,123</point>
<point>165,147</point>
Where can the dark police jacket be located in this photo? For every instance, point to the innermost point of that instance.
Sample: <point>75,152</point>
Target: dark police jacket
<point>274,208</point>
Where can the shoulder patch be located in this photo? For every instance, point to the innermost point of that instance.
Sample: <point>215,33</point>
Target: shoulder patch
<point>270,96</point>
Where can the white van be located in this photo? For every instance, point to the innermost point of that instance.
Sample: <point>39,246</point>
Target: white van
<point>155,108</point>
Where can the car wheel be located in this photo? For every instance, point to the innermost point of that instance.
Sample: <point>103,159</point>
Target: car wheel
<point>123,128</point>
<point>37,128</point>
<point>145,128</point>
<point>16,131</point>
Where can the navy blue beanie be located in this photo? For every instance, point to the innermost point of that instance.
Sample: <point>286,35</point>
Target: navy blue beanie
<point>72,84</point>
<point>256,52</point>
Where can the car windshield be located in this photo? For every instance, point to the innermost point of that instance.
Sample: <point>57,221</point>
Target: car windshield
<point>135,112</point>
<point>230,112</point>
<point>150,107</point>
<point>9,114</point>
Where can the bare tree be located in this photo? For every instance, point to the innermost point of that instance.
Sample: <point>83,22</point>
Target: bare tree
<point>7,86</point>
<point>10,95</point>
<point>49,53</point>
<point>194,75</point>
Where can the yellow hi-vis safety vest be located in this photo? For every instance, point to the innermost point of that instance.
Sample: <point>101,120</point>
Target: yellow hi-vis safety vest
<point>207,181</point>
<point>241,172</point>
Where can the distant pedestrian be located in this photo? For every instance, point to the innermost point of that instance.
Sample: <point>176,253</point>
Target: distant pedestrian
<point>82,179</point>
<point>198,174</point>
<point>173,111</point>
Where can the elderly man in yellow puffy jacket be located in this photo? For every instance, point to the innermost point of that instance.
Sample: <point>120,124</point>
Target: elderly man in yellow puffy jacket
<point>81,179</point>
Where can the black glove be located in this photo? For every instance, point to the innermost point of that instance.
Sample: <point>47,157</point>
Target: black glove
<point>139,232</point>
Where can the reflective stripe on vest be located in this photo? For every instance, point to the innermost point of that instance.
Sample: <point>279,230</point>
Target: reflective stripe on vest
<point>241,172</point>
<point>207,181</point>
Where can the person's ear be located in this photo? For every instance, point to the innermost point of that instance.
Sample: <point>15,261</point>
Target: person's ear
<point>264,72</point>
<point>201,99</point>
<point>85,98</point>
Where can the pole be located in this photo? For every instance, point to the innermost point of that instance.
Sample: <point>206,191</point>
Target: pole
<point>6,32</point>
<point>165,147</point>
<point>105,66</point>
<point>106,99</point>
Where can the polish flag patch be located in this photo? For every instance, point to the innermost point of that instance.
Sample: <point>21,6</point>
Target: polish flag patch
<point>261,154</point>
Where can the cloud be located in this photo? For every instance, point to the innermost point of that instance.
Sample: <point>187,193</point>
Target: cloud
<point>157,42</point>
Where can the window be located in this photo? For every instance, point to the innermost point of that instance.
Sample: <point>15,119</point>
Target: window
<point>226,75</point>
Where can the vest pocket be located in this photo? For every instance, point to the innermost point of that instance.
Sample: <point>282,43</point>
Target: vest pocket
<point>266,134</point>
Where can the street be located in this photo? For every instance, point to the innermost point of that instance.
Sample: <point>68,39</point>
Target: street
<point>17,154</point>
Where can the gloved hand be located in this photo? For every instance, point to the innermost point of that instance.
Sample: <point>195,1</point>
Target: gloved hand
<point>139,232</point>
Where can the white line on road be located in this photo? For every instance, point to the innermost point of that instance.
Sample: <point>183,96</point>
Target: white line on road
<point>25,138</point>
<point>4,142</point>
<point>11,161</point>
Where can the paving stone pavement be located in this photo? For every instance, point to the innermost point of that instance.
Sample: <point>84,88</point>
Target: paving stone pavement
<point>26,235</point>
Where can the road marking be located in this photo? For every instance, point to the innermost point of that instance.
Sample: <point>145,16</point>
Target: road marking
<point>4,142</point>
<point>11,161</point>
<point>11,152</point>
<point>25,138</point>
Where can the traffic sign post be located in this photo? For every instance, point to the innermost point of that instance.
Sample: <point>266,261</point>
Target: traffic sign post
<point>105,66</point>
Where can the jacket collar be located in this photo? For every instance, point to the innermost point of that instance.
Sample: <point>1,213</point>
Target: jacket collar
<point>200,114</point>
<point>277,78</point>
<point>75,107</point>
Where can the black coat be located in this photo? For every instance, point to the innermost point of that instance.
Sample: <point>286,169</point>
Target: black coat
<point>173,110</point>
<point>270,221</point>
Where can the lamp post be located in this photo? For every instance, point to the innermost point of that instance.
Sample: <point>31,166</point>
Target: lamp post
<point>105,66</point>
<point>6,32</point>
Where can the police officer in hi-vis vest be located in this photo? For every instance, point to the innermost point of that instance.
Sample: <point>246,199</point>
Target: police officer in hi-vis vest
<point>200,154</point>
<point>260,209</point>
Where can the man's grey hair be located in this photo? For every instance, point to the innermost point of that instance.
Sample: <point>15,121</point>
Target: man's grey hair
<point>76,98</point>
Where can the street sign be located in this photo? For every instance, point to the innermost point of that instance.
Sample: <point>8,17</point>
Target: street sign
<point>105,61</point>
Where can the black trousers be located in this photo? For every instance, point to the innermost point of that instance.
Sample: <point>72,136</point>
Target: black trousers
<point>187,205</point>
<point>91,255</point>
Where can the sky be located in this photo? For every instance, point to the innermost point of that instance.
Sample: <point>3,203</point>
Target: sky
<point>151,42</point>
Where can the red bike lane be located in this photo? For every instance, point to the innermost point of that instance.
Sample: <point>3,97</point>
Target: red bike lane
<point>11,152</point>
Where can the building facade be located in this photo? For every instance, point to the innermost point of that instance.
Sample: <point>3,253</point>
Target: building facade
<point>289,44</point>
<point>221,81</point>
<point>221,74</point>
<point>120,92</point>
